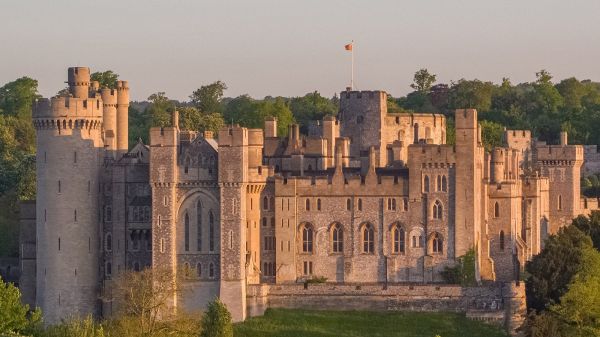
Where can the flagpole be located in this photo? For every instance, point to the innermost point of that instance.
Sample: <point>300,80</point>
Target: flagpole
<point>352,66</point>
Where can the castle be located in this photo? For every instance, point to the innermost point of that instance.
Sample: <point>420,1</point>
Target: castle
<point>370,197</point>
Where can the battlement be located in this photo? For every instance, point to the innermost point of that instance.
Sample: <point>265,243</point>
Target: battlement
<point>363,95</point>
<point>61,107</point>
<point>559,155</point>
<point>431,153</point>
<point>109,96</point>
<point>233,135</point>
<point>352,184</point>
<point>465,118</point>
<point>164,136</point>
<point>255,137</point>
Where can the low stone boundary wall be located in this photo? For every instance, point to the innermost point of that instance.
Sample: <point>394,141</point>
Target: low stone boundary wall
<point>500,303</point>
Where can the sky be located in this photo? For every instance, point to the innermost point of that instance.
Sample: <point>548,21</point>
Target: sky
<point>289,48</point>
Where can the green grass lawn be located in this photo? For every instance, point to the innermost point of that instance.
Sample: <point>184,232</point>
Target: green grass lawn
<point>307,323</point>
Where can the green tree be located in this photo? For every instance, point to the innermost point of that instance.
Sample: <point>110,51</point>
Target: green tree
<point>423,80</point>
<point>208,97</point>
<point>471,94</point>
<point>107,79</point>
<point>190,118</point>
<point>590,225</point>
<point>551,271</point>
<point>14,316</point>
<point>216,321</point>
<point>17,97</point>
<point>252,113</point>
<point>160,109</point>
<point>311,107</point>
<point>491,134</point>
<point>579,307</point>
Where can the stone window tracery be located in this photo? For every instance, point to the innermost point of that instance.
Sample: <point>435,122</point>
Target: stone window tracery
<point>398,239</point>
<point>438,210</point>
<point>337,238</point>
<point>437,243</point>
<point>368,239</point>
<point>307,238</point>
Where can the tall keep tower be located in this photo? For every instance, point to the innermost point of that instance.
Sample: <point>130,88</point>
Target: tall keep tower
<point>69,156</point>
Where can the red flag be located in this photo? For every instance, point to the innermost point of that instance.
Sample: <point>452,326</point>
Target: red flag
<point>348,47</point>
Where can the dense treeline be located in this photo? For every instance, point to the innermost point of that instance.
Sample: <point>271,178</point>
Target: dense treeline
<point>542,106</point>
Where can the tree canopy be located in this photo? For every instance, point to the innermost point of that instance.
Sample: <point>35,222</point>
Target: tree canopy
<point>107,79</point>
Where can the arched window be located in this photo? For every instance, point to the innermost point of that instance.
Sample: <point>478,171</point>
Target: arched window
<point>211,231</point>
<point>199,270</point>
<point>199,225</point>
<point>307,239</point>
<point>265,203</point>
<point>438,210</point>
<point>348,204</point>
<point>426,184</point>
<point>108,269</point>
<point>398,237</point>
<point>501,240</point>
<point>439,183</point>
<point>405,204</point>
<point>368,236</point>
<point>308,204</point>
<point>186,165</point>
<point>444,184</point>
<point>437,244</point>
<point>108,242</point>
<point>318,204</point>
<point>136,266</point>
<point>496,210</point>
<point>559,203</point>
<point>416,133</point>
<point>211,270</point>
<point>393,204</point>
<point>360,204</point>
<point>187,232</point>
<point>186,270</point>
<point>337,238</point>
<point>264,222</point>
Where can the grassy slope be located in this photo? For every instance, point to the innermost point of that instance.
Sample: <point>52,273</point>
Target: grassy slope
<point>303,323</point>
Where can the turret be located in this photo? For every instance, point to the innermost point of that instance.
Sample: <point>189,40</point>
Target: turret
<point>270,127</point>
<point>109,100</point>
<point>122,116</point>
<point>79,81</point>
<point>68,162</point>
<point>497,165</point>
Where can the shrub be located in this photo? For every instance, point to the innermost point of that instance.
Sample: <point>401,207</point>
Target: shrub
<point>463,272</point>
<point>216,321</point>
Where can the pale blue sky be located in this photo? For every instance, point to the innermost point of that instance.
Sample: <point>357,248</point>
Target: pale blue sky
<point>279,47</point>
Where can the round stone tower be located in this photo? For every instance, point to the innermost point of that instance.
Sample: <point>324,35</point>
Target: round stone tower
<point>69,157</point>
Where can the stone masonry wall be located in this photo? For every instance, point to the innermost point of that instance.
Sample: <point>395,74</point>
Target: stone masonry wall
<point>504,301</point>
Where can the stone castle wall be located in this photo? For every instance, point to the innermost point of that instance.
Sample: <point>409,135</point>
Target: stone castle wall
<point>505,302</point>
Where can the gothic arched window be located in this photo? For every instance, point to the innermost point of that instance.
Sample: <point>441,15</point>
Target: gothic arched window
<point>437,244</point>
<point>307,239</point>
<point>501,240</point>
<point>426,184</point>
<point>398,237</point>
<point>337,238</point>
<point>211,231</point>
<point>444,184</point>
<point>199,225</point>
<point>438,210</point>
<point>187,232</point>
<point>496,210</point>
<point>368,239</point>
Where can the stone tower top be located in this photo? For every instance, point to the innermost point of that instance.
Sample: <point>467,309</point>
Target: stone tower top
<point>79,81</point>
